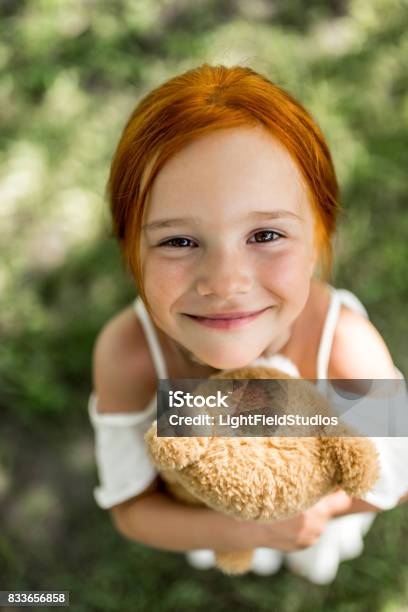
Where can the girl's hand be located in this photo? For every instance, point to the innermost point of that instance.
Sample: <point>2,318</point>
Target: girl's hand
<point>304,529</point>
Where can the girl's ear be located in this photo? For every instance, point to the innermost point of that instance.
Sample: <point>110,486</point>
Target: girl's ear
<point>174,452</point>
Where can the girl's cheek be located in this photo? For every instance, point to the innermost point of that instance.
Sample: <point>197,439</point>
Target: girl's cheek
<point>285,270</point>
<point>165,276</point>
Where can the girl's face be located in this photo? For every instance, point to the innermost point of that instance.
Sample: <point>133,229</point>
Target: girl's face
<point>228,228</point>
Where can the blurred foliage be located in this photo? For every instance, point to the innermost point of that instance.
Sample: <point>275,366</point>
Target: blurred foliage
<point>70,74</point>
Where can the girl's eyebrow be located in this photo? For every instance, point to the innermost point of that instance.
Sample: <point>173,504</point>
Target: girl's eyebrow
<point>272,214</point>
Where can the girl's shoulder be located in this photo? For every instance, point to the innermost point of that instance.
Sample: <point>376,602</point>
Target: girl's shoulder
<point>123,372</point>
<point>358,349</point>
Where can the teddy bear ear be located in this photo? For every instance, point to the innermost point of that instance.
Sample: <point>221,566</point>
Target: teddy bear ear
<point>353,461</point>
<point>173,452</point>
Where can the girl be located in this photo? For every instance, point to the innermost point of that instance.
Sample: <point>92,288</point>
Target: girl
<point>224,201</point>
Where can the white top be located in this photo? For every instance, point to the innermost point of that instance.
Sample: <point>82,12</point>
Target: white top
<point>124,467</point>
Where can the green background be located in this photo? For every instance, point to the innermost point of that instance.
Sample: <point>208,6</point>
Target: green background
<point>71,72</point>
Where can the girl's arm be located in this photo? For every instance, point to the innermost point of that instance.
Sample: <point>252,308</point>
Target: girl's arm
<point>359,352</point>
<point>157,520</point>
<point>359,505</point>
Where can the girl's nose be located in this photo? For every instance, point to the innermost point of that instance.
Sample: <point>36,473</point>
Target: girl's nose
<point>223,276</point>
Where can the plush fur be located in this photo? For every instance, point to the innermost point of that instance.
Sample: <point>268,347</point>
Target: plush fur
<point>265,478</point>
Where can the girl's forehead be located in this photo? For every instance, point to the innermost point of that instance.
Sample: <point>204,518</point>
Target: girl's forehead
<point>252,149</point>
<point>230,168</point>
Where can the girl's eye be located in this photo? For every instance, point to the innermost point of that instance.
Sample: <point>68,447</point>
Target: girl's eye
<point>180,242</point>
<point>171,242</point>
<point>267,233</point>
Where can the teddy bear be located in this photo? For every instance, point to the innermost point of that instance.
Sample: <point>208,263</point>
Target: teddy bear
<point>269,477</point>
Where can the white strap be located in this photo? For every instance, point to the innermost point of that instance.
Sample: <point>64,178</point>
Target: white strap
<point>152,340</point>
<point>338,297</point>
<point>326,340</point>
<point>351,301</point>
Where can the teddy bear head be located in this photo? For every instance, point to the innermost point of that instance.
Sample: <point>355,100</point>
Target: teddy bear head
<point>272,476</point>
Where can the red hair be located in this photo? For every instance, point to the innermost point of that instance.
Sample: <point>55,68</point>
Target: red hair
<point>202,100</point>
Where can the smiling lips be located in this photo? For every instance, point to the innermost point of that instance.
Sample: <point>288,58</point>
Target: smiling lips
<point>225,321</point>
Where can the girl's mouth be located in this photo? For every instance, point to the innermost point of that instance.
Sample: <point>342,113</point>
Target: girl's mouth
<point>227,323</point>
